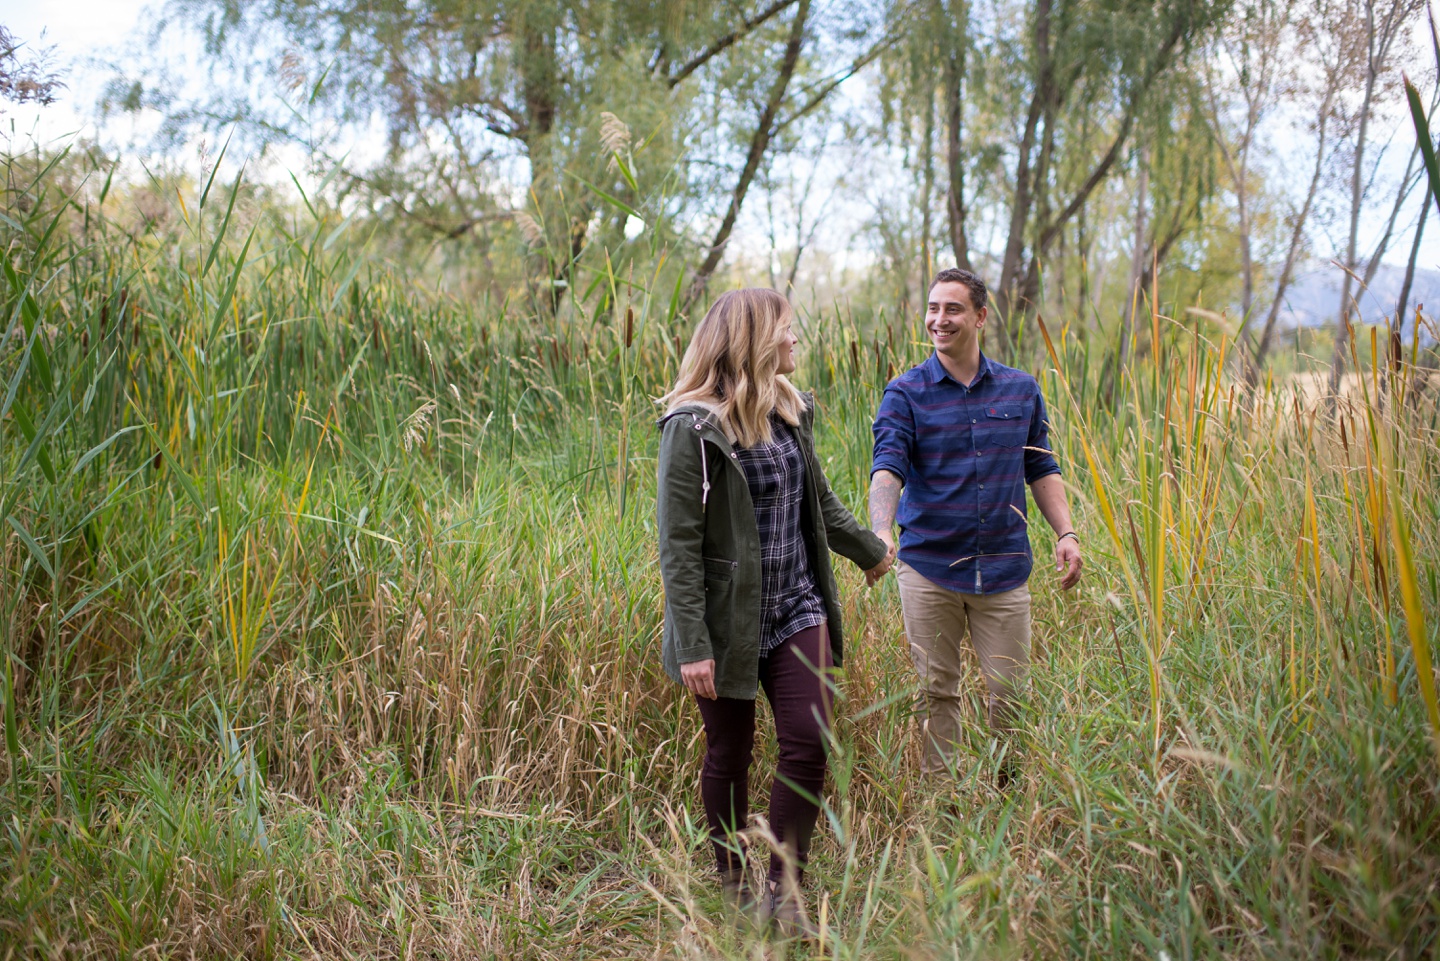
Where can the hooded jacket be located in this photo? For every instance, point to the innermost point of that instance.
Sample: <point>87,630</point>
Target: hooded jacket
<point>710,547</point>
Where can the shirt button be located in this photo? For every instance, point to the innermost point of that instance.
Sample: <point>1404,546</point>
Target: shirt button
<point>972,420</point>
<point>982,487</point>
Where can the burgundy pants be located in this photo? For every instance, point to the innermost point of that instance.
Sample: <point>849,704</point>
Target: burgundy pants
<point>795,678</point>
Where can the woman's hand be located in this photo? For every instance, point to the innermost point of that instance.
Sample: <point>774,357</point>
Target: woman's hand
<point>873,575</point>
<point>699,677</point>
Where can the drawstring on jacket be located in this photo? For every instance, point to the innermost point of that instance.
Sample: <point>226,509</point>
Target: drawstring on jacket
<point>704,468</point>
<point>704,461</point>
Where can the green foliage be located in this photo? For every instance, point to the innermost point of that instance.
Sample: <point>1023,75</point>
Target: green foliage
<point>325,632</point>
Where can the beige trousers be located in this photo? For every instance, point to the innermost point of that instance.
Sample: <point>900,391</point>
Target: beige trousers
<point>936,620</point>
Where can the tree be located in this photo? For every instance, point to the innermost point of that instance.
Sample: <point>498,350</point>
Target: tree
<point>1049,109</point>
<point>26,77</point>
<point>1266,57</point>
<point>469,88</point>
<point>1370,29</point>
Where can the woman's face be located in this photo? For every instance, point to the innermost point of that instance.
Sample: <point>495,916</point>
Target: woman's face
<point>786,352</point>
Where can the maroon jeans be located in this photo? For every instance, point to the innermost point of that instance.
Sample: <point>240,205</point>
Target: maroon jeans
<point>795,678</point>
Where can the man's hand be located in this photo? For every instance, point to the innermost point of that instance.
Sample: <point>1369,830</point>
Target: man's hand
<point>1067,559</point>
<point>874,574</point>
<point>699,677</point>
<point>885,488</point>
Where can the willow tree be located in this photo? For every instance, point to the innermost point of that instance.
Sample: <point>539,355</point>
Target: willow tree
<point>1055,101</point>
<point>493,108</point>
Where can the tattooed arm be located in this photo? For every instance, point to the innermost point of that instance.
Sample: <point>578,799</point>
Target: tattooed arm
<point>885,488</point>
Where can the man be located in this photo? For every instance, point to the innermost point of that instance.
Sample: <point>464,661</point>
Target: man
<point>961,436</point>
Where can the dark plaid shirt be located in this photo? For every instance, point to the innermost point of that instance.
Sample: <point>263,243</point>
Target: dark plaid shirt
<point>789,599</point>
<point>965,454</point>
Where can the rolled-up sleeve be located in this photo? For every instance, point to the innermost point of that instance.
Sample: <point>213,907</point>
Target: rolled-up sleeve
<point>1039,462</point>
<point>894,432</point>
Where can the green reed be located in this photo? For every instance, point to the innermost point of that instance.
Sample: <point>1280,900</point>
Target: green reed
<point>331,614</point>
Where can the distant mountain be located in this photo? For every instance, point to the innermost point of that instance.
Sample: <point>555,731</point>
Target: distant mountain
<point>1313,300</point>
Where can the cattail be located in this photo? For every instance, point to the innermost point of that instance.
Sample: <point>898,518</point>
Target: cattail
<point>629,326</point>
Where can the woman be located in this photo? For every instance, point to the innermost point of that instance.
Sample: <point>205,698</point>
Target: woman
<point>746,524</point>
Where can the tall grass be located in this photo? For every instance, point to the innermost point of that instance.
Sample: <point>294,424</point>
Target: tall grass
<point>331,621</point>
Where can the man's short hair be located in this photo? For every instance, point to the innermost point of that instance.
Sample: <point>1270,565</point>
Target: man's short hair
<point>955,275</point>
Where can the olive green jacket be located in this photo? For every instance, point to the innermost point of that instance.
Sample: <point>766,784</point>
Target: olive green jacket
<point>710,548</point>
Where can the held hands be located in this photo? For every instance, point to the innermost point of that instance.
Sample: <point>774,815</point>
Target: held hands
<point>1067,559</point>
<point>699,677</point>
<point>874,574</point>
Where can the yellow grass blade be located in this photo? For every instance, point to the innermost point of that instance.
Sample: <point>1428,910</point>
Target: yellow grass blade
<point>1414,610</point>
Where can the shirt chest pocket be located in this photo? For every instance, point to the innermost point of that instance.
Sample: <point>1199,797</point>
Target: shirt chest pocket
<point>1003,425</point>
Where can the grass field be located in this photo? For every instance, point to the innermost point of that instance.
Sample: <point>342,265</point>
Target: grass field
<point>331,614</point>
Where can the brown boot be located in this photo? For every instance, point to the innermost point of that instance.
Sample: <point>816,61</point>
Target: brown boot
<point>739,896</point>
<point>783,907</point>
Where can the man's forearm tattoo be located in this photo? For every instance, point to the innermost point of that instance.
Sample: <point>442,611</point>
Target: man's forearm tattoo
<point>885,490</point>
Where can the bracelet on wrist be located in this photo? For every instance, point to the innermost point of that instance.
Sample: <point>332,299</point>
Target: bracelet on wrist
<point>1068,534</point>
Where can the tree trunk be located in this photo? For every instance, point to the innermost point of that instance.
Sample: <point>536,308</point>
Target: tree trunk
<point>1297,242</point>
<point>539,75</point>
<point>1357,195</point>
<point>927,189</point>
<point>759,143</point>
<point>954,142</point>
<point>1012,300</point>
<point>1404,301</point>
<point>1137,259</point>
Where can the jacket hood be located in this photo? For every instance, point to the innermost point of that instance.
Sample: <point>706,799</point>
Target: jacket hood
<point>711,414</point>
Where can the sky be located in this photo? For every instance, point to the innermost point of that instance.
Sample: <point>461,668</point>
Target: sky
<point>77,30</point>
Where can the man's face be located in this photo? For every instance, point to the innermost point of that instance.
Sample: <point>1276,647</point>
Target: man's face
<point>950,319</point>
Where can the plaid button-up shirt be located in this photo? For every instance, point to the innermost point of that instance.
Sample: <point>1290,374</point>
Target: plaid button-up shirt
<point>789,599</point>
<point>965,453</point>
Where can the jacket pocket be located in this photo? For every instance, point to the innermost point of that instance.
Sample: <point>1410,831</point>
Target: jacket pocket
<point>719,605</point>
<point>1005,425</point>
<point>718,569</point>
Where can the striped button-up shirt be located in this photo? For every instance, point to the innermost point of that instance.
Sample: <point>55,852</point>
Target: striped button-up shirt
<point>965,454</point>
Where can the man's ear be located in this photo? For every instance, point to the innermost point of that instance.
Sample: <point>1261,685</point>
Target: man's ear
<point>980,317</point>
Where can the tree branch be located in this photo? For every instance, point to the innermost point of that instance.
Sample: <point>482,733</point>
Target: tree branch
<point>858,64</point>
<point>759,143</point>
<point>719,46</point>
<point>1102,169</point>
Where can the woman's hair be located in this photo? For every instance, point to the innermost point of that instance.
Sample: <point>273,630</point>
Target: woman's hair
<point>730,366</point>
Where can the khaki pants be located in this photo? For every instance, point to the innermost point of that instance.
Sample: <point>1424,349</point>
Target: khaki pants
<point>936,620</point>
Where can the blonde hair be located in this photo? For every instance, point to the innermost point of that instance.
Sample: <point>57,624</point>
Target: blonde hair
<point>731,362</point>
